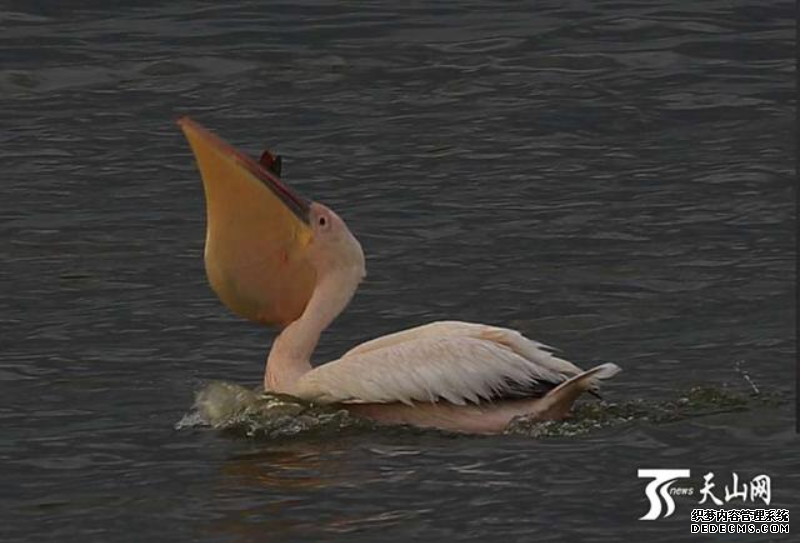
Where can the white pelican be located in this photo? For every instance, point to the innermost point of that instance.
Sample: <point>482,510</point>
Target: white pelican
<point>277,259</point>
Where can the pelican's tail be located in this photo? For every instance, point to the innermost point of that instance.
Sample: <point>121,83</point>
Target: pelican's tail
<point>557,403</point>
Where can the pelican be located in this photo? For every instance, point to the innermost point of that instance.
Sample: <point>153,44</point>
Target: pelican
<point>275,258</point>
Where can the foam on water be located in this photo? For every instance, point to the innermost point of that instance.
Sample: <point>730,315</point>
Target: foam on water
<point>255,413</point>
<point>698,401</point>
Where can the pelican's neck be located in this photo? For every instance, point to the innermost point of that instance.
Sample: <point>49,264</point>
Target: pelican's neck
<point>290,356</point>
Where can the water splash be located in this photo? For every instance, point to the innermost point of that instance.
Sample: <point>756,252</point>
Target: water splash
<point>698,401</point>
<point>254,413</point>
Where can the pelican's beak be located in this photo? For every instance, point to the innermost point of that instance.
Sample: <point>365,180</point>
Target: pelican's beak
<point>257,233</point>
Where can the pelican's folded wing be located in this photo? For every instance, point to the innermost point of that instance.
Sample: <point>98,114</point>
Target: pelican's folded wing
<point>458,369</point>
<point>534,351</point>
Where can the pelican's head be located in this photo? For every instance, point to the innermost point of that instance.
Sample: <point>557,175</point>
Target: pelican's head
<point>333,248</point>
<point>266,247</point>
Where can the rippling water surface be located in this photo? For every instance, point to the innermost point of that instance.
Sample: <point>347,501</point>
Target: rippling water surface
<point>612,178</point>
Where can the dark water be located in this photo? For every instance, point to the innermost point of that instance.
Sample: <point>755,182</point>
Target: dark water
<point>612,178</point>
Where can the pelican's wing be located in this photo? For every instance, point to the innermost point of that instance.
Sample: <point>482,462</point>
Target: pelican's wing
<point>534,351</point>
<point>456,368</point>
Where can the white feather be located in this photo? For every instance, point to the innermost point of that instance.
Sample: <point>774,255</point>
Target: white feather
<point>527,348</point>
<point>455,361</point>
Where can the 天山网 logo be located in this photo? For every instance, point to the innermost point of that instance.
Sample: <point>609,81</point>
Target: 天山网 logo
<point>657,491</point>
<point>660,491</point>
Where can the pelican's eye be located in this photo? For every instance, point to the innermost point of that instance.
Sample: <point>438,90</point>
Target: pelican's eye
<point>324,223</point>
